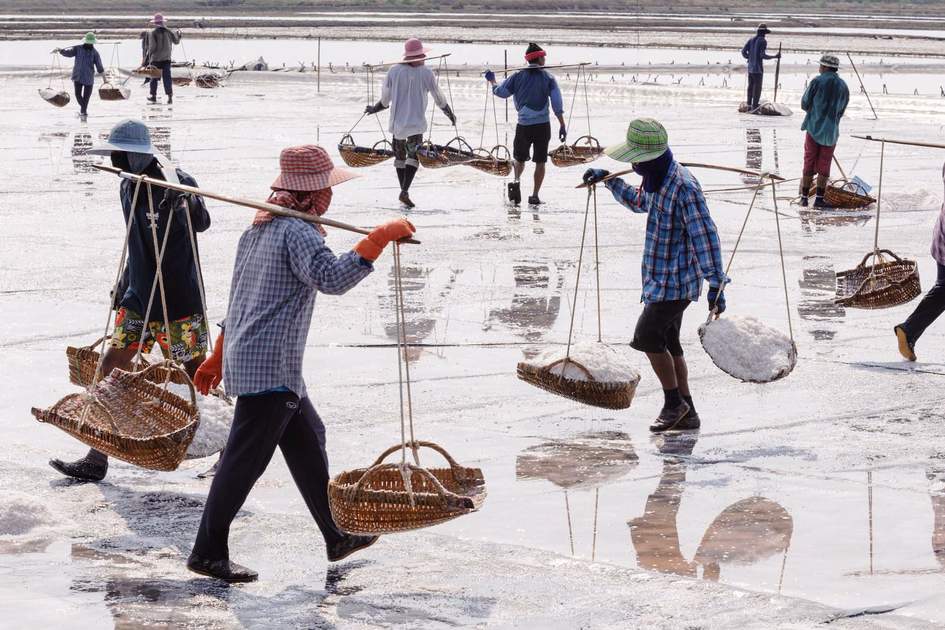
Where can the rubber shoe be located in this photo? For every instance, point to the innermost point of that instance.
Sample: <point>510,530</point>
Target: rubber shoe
<point>533,200</point>
<point>83,469</point>
<point>670,418</point>
<point>515,193</point>
<point>170,100</point>
<point>819,202</point>
<point>803,202</point>
<point>349,545</point>
<point>152,99</point>
<point>906,347</point>
<point>405,199</point>
<point>221,569</point>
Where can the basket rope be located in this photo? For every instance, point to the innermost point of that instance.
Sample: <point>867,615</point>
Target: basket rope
<point>591,195</point>
<point>581,74</point>
<point>190,66</point>
<point>403,376</point>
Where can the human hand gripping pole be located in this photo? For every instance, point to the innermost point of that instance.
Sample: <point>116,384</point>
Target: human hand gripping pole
<point>210,372</point>
<point>490,76</point>
<point>594,175</point>
<point>716,301</point>
<point>371,246</point>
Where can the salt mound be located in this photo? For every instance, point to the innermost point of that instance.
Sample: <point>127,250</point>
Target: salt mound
<point>766,108</point>
<point>604,363</point>
<point>747,349</point>
<point>216,417</point>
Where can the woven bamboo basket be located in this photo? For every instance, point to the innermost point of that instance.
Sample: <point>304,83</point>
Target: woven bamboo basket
<point>841,194</point>
<point>151,72</point>
<point>375,500</point>
<point>359,157</point>
<point>181,81</point>
<point>792,358</point>
<point>83,362</point>
<point>59,98</point>
<point>497,161</point>
<point>885,284</point>
<point>439,155</point>
<point>585,149</point>
<point>209,80</point>
<point>113,92</point>
<point>616,395</point>
<point>129,417</point>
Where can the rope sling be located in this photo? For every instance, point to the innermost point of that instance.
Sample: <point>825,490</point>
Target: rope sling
<point>586,148</point>
<point>457,150</point>
<point>498,159</point>
<point>361,156</point>
<point>606,394</point>
<point>385,498</point>
<point>190,68</point>
<point>60,97</point>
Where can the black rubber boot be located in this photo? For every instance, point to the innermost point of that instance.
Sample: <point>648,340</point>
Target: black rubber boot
<point>170,99</point>
<point>671,418</point>
<point>533,200</point>
<point>221,569</point>
<point>349,545</point>
<point>515,193</point>
<point>405,199</point>
<point>92,467</point>
<point>819,201</point>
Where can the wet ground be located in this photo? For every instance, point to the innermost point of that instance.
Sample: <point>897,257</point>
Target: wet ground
<point>817,497</point>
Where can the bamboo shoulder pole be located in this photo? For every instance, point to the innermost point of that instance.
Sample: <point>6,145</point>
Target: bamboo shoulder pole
<point>910,143</point>
<point>717,167</point>
<point>395,63</point>
<point>246,203</point>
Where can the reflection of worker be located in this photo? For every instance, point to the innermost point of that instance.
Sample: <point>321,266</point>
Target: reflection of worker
<point>531,89</point>
<point>754,51</point>
<point>825,101</point>
<point>405,91</point>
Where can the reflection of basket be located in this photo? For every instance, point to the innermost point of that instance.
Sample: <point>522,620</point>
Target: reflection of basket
<point>882,285</point>
<point>151,72</point>
<point>375,500</point>
<point>498,161</point>
<point>616,395</point>
<point>84,361</point>
<point>842,194</point>
<point>112,92</point>
<point>356,156</point>
<point>127,416</point>
<point>440,155</point>
<point>59,98</point>
<point>577,153</point>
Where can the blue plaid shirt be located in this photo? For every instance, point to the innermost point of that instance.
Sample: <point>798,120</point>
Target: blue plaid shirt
<point>279,267</point>
<point>682,244</point>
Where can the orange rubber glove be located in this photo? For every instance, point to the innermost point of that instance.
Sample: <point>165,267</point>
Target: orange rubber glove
<point>210,372</point>
<point>374,243</point>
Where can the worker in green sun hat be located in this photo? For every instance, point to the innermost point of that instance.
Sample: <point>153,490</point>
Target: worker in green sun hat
<point>87,63</point>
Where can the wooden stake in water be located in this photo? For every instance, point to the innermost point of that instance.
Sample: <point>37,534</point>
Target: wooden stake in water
<point>777,75</point>
<point>506,75</point>
<point>318,67</point>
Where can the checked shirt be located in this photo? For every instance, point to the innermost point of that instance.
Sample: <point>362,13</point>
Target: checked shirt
<point>682,244</point>
<point>280,265</point>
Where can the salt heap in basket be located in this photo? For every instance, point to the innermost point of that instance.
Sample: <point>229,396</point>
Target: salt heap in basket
<point>216,417</point>
<point>747,349</point>
<point>594,374</point>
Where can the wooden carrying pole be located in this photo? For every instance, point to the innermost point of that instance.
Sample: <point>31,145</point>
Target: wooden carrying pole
<point>910,143</point>
<point>716,167</point>
<point>395,63</point>
<point>246,203</point>
<point>555,67</point>
<point>777,75</point>
<point>853,65</point>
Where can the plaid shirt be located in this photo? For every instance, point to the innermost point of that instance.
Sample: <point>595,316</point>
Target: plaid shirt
<point>682,244</point>
<point>279,267</point>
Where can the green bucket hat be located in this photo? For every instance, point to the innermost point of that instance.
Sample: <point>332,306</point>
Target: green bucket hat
<point>646,140</point>
<point>90,39</point>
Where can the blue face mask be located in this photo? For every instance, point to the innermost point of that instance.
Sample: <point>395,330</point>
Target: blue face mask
<point>138,162</point>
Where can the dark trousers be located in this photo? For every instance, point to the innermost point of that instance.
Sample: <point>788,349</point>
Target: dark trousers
<point>82,94</point>
<point>261,423</point>
<point>929,309</point>
<point>165,67</point>
<point>755,79</point>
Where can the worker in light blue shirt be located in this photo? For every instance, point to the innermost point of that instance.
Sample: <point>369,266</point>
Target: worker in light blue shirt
<point>532,89</point>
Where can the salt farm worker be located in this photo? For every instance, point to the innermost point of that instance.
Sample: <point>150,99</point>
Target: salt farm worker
<point>129,146</point>
<point>754,51</point>
<point>405,91</point>
<point>159,50</point>
<point>933,304</point>
<point>87,62</point>
<point>281,263</point>
<point>825,101</point>
<point>531,90</point>
<point>680,251</point>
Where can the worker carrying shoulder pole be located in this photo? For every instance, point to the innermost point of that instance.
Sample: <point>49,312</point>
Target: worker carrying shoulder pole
<point>755,51</point>
<point>825,102</point>
<point>531,90</point>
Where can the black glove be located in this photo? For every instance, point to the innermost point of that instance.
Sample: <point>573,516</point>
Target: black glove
<point>373,109</point>
<point>594,175</point>
<point>490,76</point>
<point>449,114</point>
<point>175,200</point>
<point>562,133</point>
<point>716,301</point>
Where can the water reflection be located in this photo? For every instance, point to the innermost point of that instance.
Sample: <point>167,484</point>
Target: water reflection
<point>81,161</point>
<point>818,288</point>
<point>815,220</point>
<point>536,302</point>
<point>423,302</point>
<point>753,156</point>
<point>936,477</point>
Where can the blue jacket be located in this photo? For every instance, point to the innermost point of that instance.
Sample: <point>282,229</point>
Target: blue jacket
<point>532,89</point>
<point>754,51</point>
<point>825,101</point>
<point>87,61</point>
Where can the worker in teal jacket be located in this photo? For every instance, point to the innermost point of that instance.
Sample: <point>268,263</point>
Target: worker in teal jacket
<point>825,102</point>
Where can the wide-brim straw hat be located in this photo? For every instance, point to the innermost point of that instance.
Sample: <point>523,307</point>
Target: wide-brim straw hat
<point>414,50</point>
<point>308,167</point>
<point>646,140</point>
<point>128,135</point>
<point>90,39</point>
<point>830,61</point>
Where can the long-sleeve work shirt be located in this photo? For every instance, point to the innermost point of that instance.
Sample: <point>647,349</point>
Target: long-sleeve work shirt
<point>405,92</point>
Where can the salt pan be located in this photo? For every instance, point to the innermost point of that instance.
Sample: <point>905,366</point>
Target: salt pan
<point>747,349</point>
<point>604,363</point>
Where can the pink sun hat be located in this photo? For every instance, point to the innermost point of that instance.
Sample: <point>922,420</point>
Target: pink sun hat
<point>414,50</point>
<point>308,167</point>
<point>157,20</point>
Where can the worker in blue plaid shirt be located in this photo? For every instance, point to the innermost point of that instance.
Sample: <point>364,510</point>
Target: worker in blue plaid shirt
<point>681,250</point>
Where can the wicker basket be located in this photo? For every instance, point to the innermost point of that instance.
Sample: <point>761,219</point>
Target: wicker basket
<point>585,149</point>
<point>440,155</point>
<point>59,98</point>
<point>617,395</point>
<point>497,161</point>
<point>113,92</point>
<point>150,72</point>
<point>792,357</point>
<point>181,81</point>
<point>128,417</point>
<point>359,157</point>
<point>375,500</point>
<point>882,285</point>
<point>208,80</point>
<point>83,362</point>
<point>841,194</point>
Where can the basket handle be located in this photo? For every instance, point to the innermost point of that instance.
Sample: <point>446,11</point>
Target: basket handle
<point>417,444</point>
<point>346,140</point>
<point>381,143</point>
<point>428,146</point>
<point>498,149</point>
<point>590,141</point>
<point>169,366</point>
<point>570,360</point>
<point>451,499</point>
<point>879,253</point>
<point>483,154</point>
<point>95,343</point>
<point>460,143</point>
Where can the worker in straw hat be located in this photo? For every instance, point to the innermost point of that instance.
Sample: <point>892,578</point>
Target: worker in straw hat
<point>405,91</point>
<point>755,51</point>
<point>161,41</point>
<point>87,63</point>
<point>130,149</point>
<point>825,102</point>
<point>532,89</point>
<point>281,263</point>
<point>681,250</point>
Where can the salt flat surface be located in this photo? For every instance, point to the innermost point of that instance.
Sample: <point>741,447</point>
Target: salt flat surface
<point>695,532</point>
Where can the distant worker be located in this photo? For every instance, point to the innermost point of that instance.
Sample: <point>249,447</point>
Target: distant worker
<point>87,62</point>
<point>405,91</point>
<point>531,90</point>
<point>755,51</point>
<point>825,101</point>
<point>160,44</point>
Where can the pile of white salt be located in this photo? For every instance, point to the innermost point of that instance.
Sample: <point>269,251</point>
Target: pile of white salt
<point>604,363</point>
<point>747,349</point>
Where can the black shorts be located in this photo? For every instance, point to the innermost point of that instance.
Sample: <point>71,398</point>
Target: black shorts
<point>658,328</point>
<point>528,136</point>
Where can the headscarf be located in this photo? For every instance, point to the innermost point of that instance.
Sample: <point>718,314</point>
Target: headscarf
<point>314,202</point>
<point>654,171</point>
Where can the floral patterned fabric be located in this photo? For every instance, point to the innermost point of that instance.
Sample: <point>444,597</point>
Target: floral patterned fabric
<point>188,338</point>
